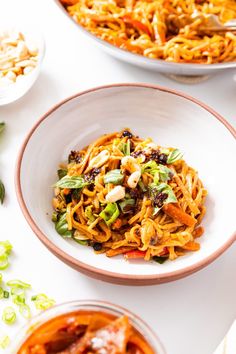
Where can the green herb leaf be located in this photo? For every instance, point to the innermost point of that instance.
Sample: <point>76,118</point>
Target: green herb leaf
<point>159,260</point>
<point>61,226</point>
<point>110,213</point>
<point>159,171</point>
<point>125,205</point>
<point>150,167</point>
<point>61,173</point>
<point>125,148</point>
<point>175,155</point>
<point>9,315</point>
<point>164,173</point>
<point>113,176</point>
<point>2,192</point>
<point>71,182</point>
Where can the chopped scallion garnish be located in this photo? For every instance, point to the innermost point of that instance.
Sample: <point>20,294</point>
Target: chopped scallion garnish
<point>110,213</point>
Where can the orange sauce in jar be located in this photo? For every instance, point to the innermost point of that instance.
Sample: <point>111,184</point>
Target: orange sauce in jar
<point>86,332</point>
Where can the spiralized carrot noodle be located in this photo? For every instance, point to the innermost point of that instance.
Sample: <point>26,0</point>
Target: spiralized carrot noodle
<point>123,195</point>
<point>84,332</point>
<point>160,29</point>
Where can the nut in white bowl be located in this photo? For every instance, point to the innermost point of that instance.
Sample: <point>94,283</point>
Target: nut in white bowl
<point>21,54</point>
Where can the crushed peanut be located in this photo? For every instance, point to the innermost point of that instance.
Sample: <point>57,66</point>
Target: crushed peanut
<point>18,57</point>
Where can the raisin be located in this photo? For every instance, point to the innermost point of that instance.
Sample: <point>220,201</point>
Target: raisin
<point>68,198</point>
<point>159,199</point>
<point>97,246</point>
<point>74,157</point>
<point>154,155</point>
<point>137,153</point>
<point>127,133</point>
<point>162,159</point>
<point>90,176</point>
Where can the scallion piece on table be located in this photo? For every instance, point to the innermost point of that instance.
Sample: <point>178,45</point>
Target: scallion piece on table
<point>42,301</point>
<point>4,342</point>
<point>9,315</point>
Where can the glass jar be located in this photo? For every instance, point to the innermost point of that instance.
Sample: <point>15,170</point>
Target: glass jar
<point>87,305</point>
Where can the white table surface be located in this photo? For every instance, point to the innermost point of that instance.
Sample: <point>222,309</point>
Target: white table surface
<point>190,315</point>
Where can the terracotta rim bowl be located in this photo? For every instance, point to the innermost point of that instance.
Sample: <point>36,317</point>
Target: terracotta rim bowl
<point>121,92</point>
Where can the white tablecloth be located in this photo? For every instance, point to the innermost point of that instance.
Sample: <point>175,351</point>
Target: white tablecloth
<point>191,315</point>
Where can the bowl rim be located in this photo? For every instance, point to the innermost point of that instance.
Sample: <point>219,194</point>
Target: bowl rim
<point>94,272</point>
<point>65,307</point>
<point>145,60</point>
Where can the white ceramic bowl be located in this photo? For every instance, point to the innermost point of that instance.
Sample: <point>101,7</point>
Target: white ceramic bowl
<point>171,119</point>
<point>19,88</point>
<point>158,65</point>
<point>87,305</point>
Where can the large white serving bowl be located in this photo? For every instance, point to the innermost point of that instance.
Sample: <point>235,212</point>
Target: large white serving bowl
<point>179,69</point>
<point>171,119</point>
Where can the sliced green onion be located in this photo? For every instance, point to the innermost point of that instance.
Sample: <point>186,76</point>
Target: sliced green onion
<point>6,294</point>
<point>25,311</point>
<point>5,248</point>
<point>113,176</point>
<point>110,213</point>
<point>89,213</point>
<point>42,301</point>
<point>174,155</point>
<point>4,262</point>
<point>1,293</point>
<point>4,342</point>
<point>18,298</point>
<point>81,242</point>
<point>125,148</point>
<point>54,216</point>
<point>16,283</point>
<point>9,315</point>
<point>124,206</point>
<point>142,186</point>
<point>1,277</point>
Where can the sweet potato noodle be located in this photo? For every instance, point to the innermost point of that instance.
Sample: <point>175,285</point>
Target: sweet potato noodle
<point>126,195</point>
<point>86,332</point>
<point>161,29</point>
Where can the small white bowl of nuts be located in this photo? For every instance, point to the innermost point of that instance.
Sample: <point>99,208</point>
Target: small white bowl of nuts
<point>21,55</point>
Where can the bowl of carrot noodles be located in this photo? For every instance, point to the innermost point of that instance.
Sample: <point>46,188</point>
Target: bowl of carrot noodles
<point>87,326</point>
<point>172,37</point>
<point>127,186</point>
